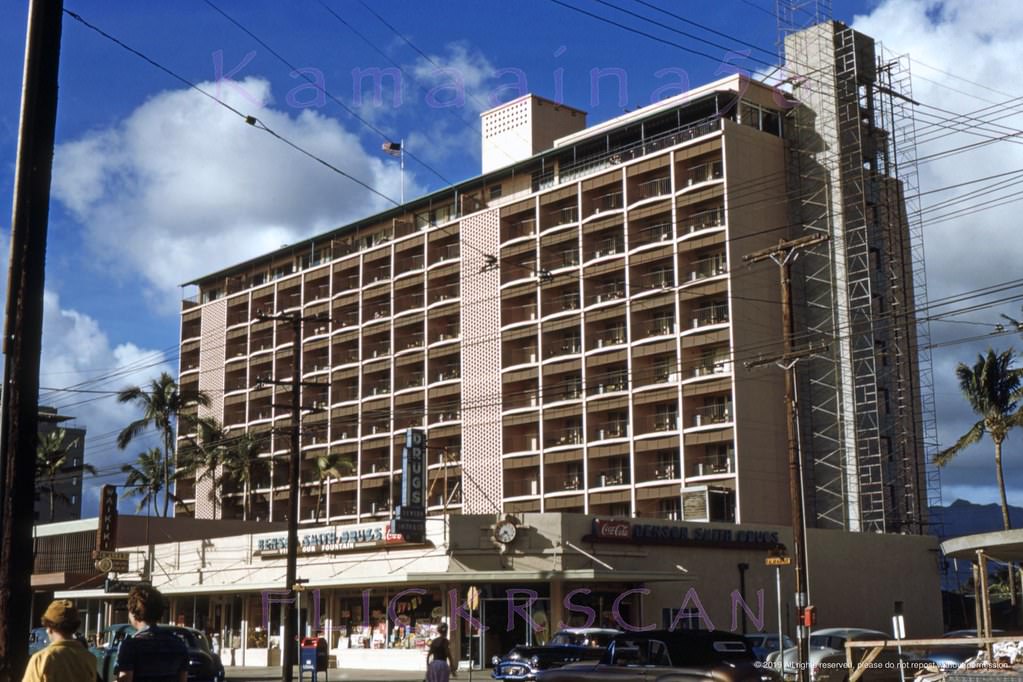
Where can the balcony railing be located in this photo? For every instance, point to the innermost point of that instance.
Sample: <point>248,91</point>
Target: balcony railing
<point>566,302</point>
<point>520,228</point>
<point>448,252</point>
<point>608,202</point>
<point>653,188</point>
<point>704,172</point>
<point>563,347</point>
<point>404,303</point>
<point>715,466</point>
<point>521,356</point>
<point>664,470</point>
<point>612,383</point>
<point>613,429</point>
<point>714,314</point>
<point>444,292</point>
<point>661,232</point>
<point>612,477</point>
<point>609,247</point>
<point>377,350</point>
<point>566,437</point>
<point>377,388</point>
<point>707,267</point>
<point>661,327</point>
<point>414,340</point>
<point>594,164</point>
<point>563,216</point>
<point>611,291</point>
<point>711,368</point>
<point>712,414</point>
<point>571,392</point>
<point>658,279</point>
<point>611,337</point>
<point>666,422</point>
<point>447,374</point>
<point>704,220</point>
<point>412,380</point>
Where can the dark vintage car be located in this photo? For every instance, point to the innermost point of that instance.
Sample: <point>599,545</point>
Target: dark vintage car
<point>669,655</point>
<point>567,646</point>
<point>203,666</point>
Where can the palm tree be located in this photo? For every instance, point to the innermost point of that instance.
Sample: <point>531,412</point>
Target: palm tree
<point>329,465</point>
<point>202,456</point>
<point>993,388</point>
<point>242,464</point>
<point>145,478</point>
<point>52,464</point>
<point>162,403</point>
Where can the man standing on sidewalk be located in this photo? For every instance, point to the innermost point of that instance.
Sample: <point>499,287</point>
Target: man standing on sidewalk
<point>152,654</point>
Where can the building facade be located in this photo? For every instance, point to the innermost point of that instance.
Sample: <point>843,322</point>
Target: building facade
<point>64,501</point>
<point>572,328</point>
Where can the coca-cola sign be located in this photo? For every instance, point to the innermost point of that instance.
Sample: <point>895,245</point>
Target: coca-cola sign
<point>612,531</point>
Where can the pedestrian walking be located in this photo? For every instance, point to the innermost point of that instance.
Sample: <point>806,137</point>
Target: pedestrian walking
<point>439,656</point>
<point>64,658</point>
<point>152,654</point>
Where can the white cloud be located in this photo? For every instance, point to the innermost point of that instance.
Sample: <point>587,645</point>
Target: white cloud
<point>949,41</point>
<point>77,353</point>
<point>182,187</point>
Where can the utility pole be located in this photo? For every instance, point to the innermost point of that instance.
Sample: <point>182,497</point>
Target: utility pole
<point>783,254</point>
<point>23,326</point>
<point>289,647</point>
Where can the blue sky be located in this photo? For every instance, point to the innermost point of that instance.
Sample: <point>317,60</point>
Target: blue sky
<point>155,185</point>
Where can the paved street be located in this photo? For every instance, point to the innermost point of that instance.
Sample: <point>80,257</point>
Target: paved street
<point>244,673</point>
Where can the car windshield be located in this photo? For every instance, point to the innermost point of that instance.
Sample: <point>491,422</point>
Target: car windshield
<point>596,639</point>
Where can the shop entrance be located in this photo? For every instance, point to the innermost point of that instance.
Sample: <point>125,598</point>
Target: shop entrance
<point>510,620</point>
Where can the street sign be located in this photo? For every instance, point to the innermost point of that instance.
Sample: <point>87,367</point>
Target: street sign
<point>783,560</point>
<point>109,561</point>
<point>413,530</point>
<point>472,598</point>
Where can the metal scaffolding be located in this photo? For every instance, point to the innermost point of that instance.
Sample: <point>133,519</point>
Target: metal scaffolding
<point>865,407</point>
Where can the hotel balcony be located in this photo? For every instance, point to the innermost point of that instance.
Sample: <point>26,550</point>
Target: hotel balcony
<point>605,292</point>
<point>608,336</point>
<point>656,233</point>
<point>444,292</point>
<point>703,220</point>
<point>566,345</point>
<point>609,429</point>
<point>560,215</point>
<point>409,340</point>
<point>651,188</point>
<point>704,268</point>
<point>615,475</point>
<point>514,352</point>
<point>707,171</point>
<point>563,436</point>
<point>517,228</point>
<point>709,315</point>
<point>710,415</point>
<point>608,246</point>
<point>602,202</point>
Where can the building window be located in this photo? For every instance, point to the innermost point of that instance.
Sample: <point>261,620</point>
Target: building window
<point>495,192</point>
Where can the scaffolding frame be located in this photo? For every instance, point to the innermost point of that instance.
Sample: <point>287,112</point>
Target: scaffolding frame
<point>867,408</point>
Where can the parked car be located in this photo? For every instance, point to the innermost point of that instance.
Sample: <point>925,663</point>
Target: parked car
<point>37,639</point>
<point>570,645</point>
<point>669,655</point>
<point>823,643</point>
<point>766,643</point>
<point>203,666</point>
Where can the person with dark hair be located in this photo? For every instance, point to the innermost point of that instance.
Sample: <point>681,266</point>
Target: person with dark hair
<point>64,659</point>
<point>439,656</point>
<point>152,654</point>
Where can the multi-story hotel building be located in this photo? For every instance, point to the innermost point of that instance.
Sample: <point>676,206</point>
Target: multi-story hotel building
<point>571,327</point>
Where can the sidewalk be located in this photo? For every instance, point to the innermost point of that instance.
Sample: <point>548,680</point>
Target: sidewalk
<point>247,673</point>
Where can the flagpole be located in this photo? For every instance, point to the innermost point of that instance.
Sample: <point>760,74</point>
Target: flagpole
<point>402,165</point>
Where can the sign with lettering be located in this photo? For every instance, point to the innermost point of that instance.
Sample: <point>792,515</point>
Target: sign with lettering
<point>410,516</point>
<point>331,540</point>
<point>680,535</point>
<point>106,534</point>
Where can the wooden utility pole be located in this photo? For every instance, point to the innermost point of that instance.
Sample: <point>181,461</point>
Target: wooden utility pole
<point>23,328</point>
<point>783,254</point>
<point>289,647</point>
